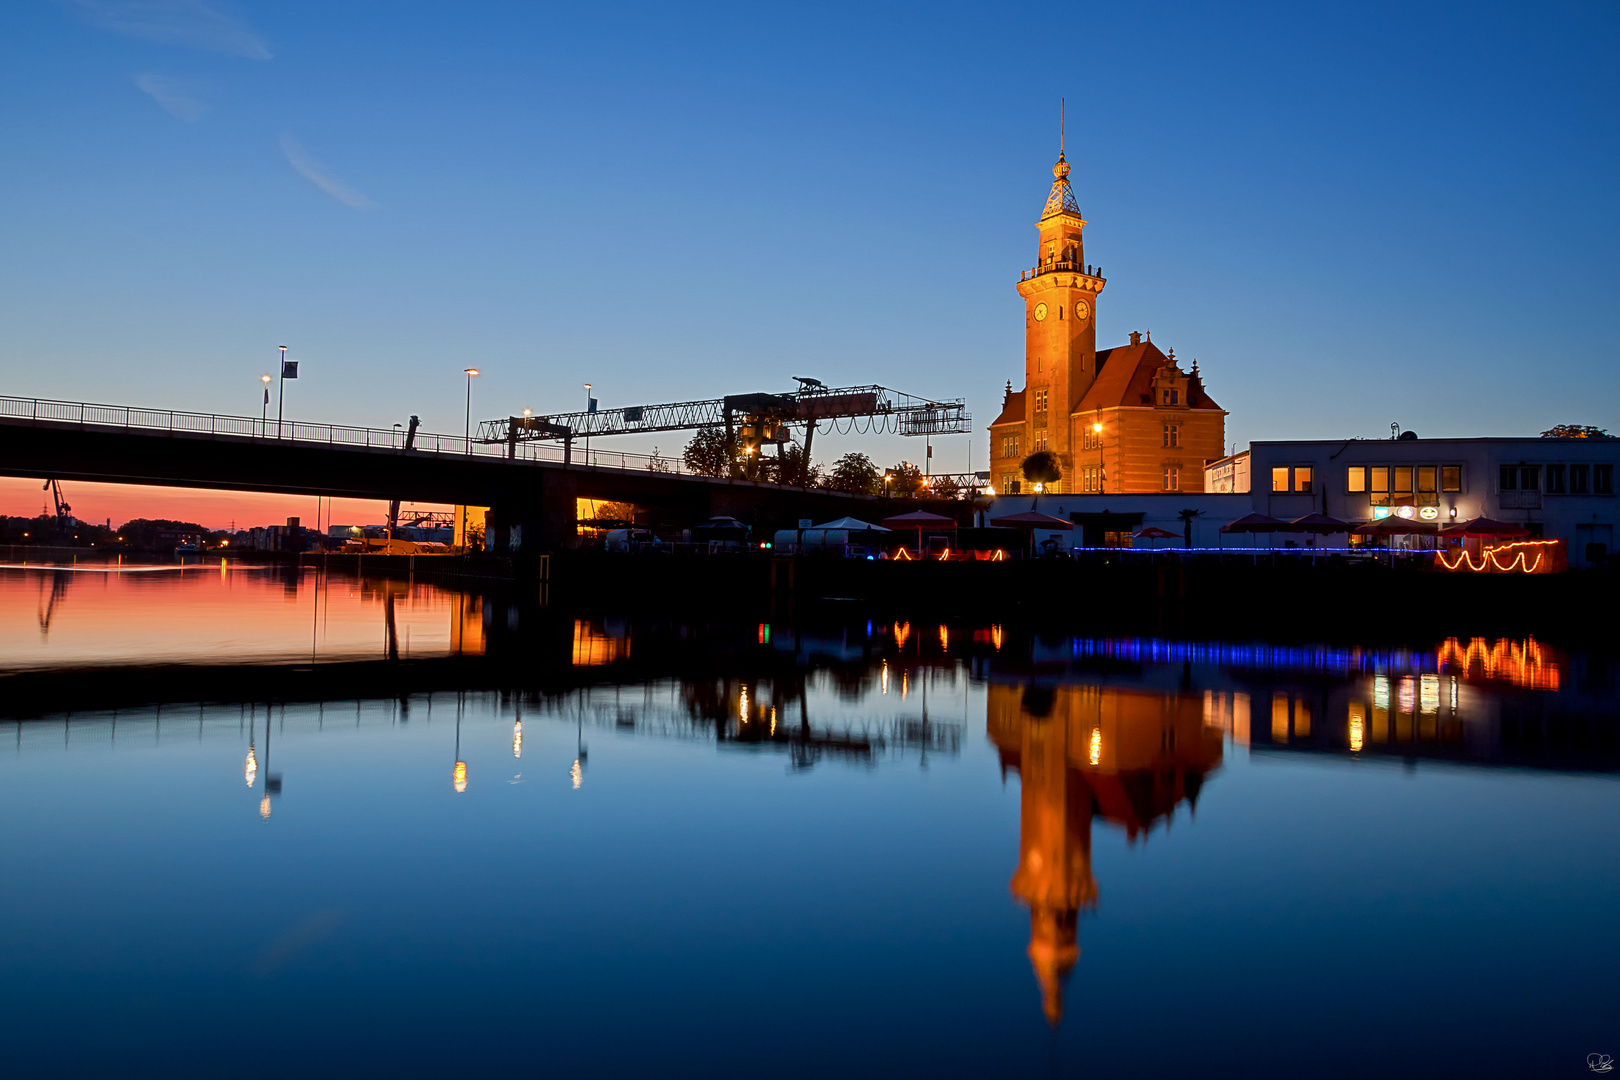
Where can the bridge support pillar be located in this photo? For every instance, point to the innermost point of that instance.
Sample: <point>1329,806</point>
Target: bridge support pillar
<point>537,521</point>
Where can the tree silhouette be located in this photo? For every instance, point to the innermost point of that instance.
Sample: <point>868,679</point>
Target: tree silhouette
<point>1575,431</point>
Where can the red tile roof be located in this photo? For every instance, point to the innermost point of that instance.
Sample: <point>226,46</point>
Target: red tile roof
<point>1012,409</point>
<point>1125,377</point>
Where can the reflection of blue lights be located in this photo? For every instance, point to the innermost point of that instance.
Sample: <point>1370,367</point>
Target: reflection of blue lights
<point>1298,657</point>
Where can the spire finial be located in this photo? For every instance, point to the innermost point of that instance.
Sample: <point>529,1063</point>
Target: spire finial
<point>1061,200</point>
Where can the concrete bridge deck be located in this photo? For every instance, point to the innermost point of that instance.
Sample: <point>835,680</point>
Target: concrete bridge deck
<point>74,441</point>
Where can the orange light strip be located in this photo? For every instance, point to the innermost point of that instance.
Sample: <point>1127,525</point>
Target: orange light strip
<point>1491,557</point>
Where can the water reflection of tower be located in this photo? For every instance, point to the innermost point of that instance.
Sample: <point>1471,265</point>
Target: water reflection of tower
<point>1129,756</point>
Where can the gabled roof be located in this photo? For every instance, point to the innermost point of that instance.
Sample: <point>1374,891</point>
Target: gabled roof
<point>1012,409</point>
<point>1125,377</point>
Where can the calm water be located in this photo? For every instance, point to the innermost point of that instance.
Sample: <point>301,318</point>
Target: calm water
<point>648,848</point>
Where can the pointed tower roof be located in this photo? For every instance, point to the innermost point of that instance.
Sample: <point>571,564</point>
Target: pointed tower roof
<point>1061,200</point>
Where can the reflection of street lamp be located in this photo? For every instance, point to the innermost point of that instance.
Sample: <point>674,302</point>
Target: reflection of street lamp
<point>470,372</point>
<point>458,775</point>
<point>252,769</point>
<point>517,738</point>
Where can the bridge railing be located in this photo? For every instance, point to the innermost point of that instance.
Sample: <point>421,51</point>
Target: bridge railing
<point>135,418</point>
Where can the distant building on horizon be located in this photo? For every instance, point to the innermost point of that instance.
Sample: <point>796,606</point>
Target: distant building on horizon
<point>1123,420</point>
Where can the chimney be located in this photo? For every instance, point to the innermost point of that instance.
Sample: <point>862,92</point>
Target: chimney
<point>1136,337</point>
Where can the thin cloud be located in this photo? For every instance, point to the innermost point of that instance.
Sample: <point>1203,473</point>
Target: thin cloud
<point>176,96</point>
<point>316,173</point>
<point>194,24</point>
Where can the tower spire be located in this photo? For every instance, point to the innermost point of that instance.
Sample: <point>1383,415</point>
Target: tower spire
<point>1061,200</point>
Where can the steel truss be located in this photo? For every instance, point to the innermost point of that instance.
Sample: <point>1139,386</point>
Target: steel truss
<point>868,408</point>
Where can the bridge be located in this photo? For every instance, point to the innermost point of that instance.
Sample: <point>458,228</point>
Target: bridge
<point>529,486</point>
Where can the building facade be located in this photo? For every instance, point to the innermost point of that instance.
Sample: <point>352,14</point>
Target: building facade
<point>1558,488</point>
<point>1229,474</point>
<point>1126,419</point>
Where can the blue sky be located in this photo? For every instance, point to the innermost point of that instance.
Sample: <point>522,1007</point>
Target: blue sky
<point>1350,214</point>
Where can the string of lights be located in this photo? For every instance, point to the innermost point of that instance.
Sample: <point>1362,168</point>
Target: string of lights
<point>1491,558</point>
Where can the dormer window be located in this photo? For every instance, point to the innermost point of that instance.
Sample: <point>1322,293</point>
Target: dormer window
<point>1170,396</point>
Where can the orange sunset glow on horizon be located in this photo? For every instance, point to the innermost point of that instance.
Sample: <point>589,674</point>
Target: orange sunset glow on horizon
<point>119,503</point>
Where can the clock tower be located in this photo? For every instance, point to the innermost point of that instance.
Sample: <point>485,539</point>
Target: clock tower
<point>1060,322</point>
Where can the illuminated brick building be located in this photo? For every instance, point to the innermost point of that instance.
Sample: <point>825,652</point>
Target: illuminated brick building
<point>1126,419</point>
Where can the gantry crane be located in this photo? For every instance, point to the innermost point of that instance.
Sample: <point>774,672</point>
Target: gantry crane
<point>754,420</point>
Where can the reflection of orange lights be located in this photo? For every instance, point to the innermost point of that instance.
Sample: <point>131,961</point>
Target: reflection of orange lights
<point>1528,663</point>
<point>592,648</point>
<point>902,631</point>
<point>944,638</point>
<point>1094,752</point>
<point>996,636</point>
<point>1505,558</point>
<point>264,808</point>
<point>458,777</point>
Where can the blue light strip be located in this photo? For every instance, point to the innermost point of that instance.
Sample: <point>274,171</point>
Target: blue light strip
<point>1342,661</point>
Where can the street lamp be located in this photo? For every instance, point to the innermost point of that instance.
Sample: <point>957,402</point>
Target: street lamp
<point>281,388</point>
<point>264,410</point>
<point>588,410</point>
<point>469,372</point>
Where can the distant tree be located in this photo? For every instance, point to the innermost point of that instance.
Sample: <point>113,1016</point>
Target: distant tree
<point>710,453</point>
<point>854,473</point>
<point>1575,431</point>
<point>793,467</point>
<point>612,515</point>
<point>162,533</point>
<point>1042,467</point>
<point>905,480</point>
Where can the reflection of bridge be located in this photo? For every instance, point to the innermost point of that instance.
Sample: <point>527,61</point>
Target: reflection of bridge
<point>533,489</point>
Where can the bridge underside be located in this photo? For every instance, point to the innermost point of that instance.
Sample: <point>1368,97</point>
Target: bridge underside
<point>539,496</point>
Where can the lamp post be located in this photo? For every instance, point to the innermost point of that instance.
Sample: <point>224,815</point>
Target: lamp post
<point>469,372</point>
<point>1096,429</point>
<point>264,409</point>
<point>587,423</point>
<point>281,388</point>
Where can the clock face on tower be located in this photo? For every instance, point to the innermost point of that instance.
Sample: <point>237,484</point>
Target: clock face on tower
<point>1040,312</point>
<point>1081,311</point>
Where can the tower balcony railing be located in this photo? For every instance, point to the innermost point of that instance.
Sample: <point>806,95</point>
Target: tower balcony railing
<point>1061,266</point>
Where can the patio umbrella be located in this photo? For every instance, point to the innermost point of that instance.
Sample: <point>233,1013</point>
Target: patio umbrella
<point>1397,526</point>
<point>1153,532</point>
<point>1032,519</point>
<point>1484,526</point>
<point>1318,523</point>
<point>920,520</point>
<point>1252,523</point>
